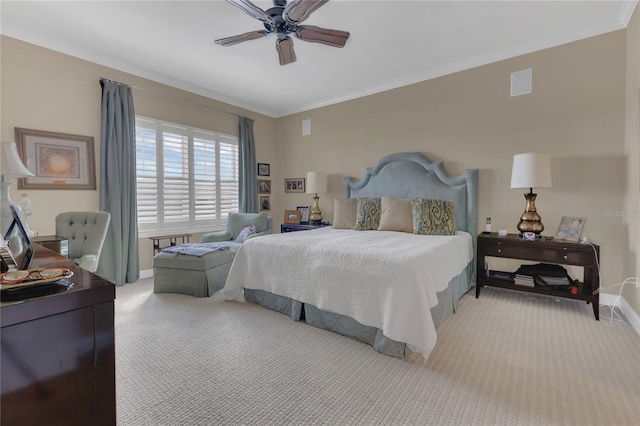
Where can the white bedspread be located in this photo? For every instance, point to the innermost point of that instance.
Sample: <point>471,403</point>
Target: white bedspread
<point>387,280</point>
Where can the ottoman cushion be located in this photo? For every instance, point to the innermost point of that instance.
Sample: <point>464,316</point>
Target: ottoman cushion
<point>199,276</point>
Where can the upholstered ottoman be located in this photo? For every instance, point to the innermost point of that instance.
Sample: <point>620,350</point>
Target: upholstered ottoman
<point>199,276</point>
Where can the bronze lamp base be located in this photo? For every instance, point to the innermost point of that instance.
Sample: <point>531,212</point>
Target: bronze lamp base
<point>530,221</point>
<point>315,216</point>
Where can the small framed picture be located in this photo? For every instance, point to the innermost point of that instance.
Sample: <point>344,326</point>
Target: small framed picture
<point>264,186</point>
<point>294,185</point>
<point>264,169</point>
<point>304,213</point>
<point>570,228</point>
<point>291,216</point>
<point>265,203</point>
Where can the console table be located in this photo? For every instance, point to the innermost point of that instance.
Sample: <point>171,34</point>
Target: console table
<point>545,250</point>
<point>54,242</point>
<point>173,240</point>
<point>58,352</point>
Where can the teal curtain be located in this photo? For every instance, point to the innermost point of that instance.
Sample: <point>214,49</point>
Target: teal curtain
<point>248,179</point>
<point>120,259</point>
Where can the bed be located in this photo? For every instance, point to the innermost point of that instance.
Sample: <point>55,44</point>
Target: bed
<point>388,289</point>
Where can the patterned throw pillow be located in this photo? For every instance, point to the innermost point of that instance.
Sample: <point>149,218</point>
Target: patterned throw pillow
<point>246,233</point>
<point>433,217</point>
<point>368,214</point>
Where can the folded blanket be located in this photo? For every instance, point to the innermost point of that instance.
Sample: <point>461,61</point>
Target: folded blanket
<point>194,249</point>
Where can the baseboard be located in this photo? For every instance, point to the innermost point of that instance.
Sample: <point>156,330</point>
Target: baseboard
<point>631,315</point>
<point>147,273</point>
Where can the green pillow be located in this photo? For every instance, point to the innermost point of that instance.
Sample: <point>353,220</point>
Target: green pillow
<point>433,217</point>
<point>368,212</point>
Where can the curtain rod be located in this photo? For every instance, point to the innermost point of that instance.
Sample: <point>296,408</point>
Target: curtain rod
<point>174,99</point>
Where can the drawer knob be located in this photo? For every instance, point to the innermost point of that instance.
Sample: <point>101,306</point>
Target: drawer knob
<point>499,250</point>
<point>565,256</point>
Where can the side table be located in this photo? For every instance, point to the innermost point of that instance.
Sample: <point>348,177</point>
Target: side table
<point>54,243</point>
<point>173,240</point>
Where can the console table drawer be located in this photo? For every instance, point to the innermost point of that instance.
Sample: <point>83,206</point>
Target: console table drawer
<point>540,254</point>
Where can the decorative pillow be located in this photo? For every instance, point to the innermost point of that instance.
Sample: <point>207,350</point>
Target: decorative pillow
<point>246,233</point>
<point>344,213</point>
<point>433,217</point>
<point>368,214</point>
<point>396,215</point>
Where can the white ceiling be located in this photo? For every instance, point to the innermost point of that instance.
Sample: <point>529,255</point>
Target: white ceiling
<point>392,43</point>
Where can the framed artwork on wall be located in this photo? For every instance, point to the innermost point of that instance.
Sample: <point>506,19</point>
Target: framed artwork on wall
<point>294,185</point>
<point>58,160</point>
<point>264,169</point>
<point>264,186</point>
<point>265,203</point>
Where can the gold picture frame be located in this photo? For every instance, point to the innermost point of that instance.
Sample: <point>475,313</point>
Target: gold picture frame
<point>57,160</point>
<point>292,216</point>
<point>570,228</point>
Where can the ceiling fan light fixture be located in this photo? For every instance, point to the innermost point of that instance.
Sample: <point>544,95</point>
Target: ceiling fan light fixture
<point>286,54</point>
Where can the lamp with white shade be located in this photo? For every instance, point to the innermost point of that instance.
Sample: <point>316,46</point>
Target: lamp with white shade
<point>11,166</point>
<point>531,170</point>
<point>317,183</point>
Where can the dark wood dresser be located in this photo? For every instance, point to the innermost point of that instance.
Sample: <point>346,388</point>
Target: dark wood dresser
<point>58,352</point>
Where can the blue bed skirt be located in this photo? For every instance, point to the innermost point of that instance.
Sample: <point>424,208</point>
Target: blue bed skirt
<point>447,304</point>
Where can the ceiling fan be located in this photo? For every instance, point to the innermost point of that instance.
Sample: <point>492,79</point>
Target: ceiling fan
<point>284,19</point>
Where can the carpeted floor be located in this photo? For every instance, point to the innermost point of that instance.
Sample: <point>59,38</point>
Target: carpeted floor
<point>507,358</point>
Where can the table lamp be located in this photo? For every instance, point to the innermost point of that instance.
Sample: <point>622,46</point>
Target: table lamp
<point>10,167</point>
<point>531,170</point>
<point>316,183</point>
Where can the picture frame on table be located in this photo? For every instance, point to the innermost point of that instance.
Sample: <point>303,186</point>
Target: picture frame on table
<point>292,217</point>
<point>57,160</point>
<point>264,169</point>
<point>570,228</point>
<point>265,203</point>
<point>264,186</point>
<point>294,185</point>
<point>304,214</point>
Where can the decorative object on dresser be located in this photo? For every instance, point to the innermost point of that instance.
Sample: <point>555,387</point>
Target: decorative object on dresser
<point>58,160</point>
<point>10,167</point>
<point>547,279</point>
<point>317,182</point>
<point>570,228</point>
<point>304,214</point>
<point>292,216</point>
<point>531,170</point>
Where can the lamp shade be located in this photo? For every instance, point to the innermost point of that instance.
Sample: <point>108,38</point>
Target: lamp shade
<point>11,164</point>
<point>531,171</point>
<point>316,183</point>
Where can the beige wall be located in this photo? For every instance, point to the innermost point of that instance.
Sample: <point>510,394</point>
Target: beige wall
<point>46,90</point>
<point>576,113</point>
<point>631,218</point>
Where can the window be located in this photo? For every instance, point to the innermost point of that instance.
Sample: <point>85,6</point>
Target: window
<point>187,179</point>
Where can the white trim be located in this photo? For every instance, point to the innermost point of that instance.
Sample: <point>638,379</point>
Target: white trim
<point>631,315</point>
<point>147,273</point>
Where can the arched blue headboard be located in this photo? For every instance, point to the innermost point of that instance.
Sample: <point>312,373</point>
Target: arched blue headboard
<point>411,174</point>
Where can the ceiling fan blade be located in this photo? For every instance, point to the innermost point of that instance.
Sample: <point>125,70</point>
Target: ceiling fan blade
<point>284,46</point>
<point>252,10</point>
<point>230,41</point>
<point>335,38</point>
<point>299,10</point>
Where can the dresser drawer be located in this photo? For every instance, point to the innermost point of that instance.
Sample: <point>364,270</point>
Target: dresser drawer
<point>540,253</point>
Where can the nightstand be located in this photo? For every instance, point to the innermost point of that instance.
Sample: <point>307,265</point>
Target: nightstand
<point>291,227</point>
<point>545,250</point>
